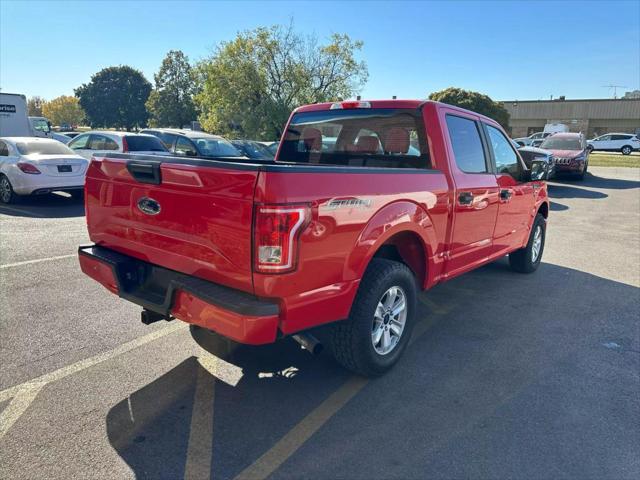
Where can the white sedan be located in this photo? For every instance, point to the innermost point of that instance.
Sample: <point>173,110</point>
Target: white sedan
<point>37,166</point>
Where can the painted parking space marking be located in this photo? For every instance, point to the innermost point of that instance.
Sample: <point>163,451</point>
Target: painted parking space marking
<point>38,260</point>
<point>18,406</point>
<point>200,446</point>
<point>22,395</point>
<point>284,448</point>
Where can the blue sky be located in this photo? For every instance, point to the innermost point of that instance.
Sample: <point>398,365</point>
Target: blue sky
<point>508,50</point>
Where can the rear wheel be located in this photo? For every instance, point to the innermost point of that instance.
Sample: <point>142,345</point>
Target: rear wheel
<point>527,259</point>
<point>626,150</point>
<point>7,195</point>
<point>378,329</point>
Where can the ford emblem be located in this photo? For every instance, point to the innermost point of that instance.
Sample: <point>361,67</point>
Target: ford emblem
<point>149,206</point>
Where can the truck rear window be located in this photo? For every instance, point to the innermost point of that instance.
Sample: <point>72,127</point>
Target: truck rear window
<point>140,143</point>
<point>383,138</point>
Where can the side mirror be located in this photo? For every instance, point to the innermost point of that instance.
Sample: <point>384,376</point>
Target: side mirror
<point>538,170</point>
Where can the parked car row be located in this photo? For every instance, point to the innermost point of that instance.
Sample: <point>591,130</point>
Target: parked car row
<point>31,165</point>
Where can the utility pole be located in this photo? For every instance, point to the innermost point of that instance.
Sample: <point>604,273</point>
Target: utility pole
<point>615,89</point>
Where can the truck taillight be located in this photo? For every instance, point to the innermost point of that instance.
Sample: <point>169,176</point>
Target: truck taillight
<point>28,168</point>
<point>125,145</point>
<point>276,232</point>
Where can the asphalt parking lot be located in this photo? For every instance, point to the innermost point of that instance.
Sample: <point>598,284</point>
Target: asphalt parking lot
<point>507,376</point>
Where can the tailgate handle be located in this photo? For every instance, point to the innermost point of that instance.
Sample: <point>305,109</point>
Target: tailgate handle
<point>145,172</point>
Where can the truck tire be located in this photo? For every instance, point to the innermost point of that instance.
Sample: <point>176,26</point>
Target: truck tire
<point>527,259</point>
<point>626,150</point>
<point>7,195</point>
<point>379,326</point>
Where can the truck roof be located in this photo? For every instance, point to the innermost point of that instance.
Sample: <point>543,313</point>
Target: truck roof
<point>389,104</point>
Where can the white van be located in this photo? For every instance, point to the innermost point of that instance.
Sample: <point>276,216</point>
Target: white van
<point>556,128</point>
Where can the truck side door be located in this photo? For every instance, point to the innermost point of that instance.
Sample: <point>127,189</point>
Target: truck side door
<point>516,197</point>
<point>475,196</point>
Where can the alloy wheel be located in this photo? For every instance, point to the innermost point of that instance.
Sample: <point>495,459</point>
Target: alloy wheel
<point>389,320</point>
<point>537,244</point>
<point>5,190</point>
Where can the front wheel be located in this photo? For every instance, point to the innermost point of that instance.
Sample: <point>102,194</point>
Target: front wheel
<point>373,338</point>
<point>527,259</point>
<point>7,195</point>
<point>626,150</point>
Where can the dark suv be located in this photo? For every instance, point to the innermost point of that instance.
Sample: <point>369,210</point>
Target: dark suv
<point>190,143</point>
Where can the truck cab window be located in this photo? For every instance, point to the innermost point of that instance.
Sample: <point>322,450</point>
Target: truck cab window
<point>467,145</point>
<point>505,157</point>
<point>373,138</point>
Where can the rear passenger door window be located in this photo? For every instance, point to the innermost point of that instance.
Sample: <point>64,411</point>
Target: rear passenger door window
<point>80,142</point>
<point>185,147</point>
<point>467,144</point>
<point>167,139</point>
<point>506,159</point>
<point>101,142</point>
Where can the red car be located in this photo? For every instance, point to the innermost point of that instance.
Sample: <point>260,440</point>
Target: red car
<point>365,204</point>
<point>570,153</point>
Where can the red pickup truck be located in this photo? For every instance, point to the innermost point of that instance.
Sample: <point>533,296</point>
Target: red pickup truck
<point>365,204</point>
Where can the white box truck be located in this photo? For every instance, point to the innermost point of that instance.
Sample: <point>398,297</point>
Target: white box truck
<point>15,121</point>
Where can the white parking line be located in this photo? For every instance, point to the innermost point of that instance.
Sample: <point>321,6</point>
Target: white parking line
<point>23,394</point>
<point>37,260</point>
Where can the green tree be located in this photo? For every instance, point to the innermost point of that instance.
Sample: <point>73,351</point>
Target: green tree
<point>250,85</point>
<point>64,109</point>
<point>474,101</point>
<point>34,106</point>
<point>171,102</point>
<point>115,97</point>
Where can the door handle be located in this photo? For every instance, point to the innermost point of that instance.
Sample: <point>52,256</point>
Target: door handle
<point>465,198</point>
<point>505,195</point>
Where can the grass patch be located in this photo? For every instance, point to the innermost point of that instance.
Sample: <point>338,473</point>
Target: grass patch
<point>598,159</point>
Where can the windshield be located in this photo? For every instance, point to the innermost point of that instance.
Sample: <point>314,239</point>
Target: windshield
<point>143,143</point>
<point>40,124</point>
<point>43,148</point>
<point>254,150</point>
<point>215,147</point>
<point>387,138</point>
<point>562,143</point>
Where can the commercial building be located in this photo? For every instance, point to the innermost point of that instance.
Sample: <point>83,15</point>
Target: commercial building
<point>591,116</point>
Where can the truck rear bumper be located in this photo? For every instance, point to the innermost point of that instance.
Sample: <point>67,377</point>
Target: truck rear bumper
<point>235,314</point>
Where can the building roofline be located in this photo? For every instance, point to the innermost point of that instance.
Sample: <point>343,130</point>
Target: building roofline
<point>572,100</point>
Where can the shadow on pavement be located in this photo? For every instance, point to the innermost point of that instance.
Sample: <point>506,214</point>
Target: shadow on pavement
<point>517,376</point>
<point>55,205</point>
<point>567,191</point>
<point>591,180</point>
<point>558,207</point>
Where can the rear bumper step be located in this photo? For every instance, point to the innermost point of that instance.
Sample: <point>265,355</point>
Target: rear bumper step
<point>232,313</point>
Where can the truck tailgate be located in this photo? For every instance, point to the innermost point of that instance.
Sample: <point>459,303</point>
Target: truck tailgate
<point>192,216</point>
